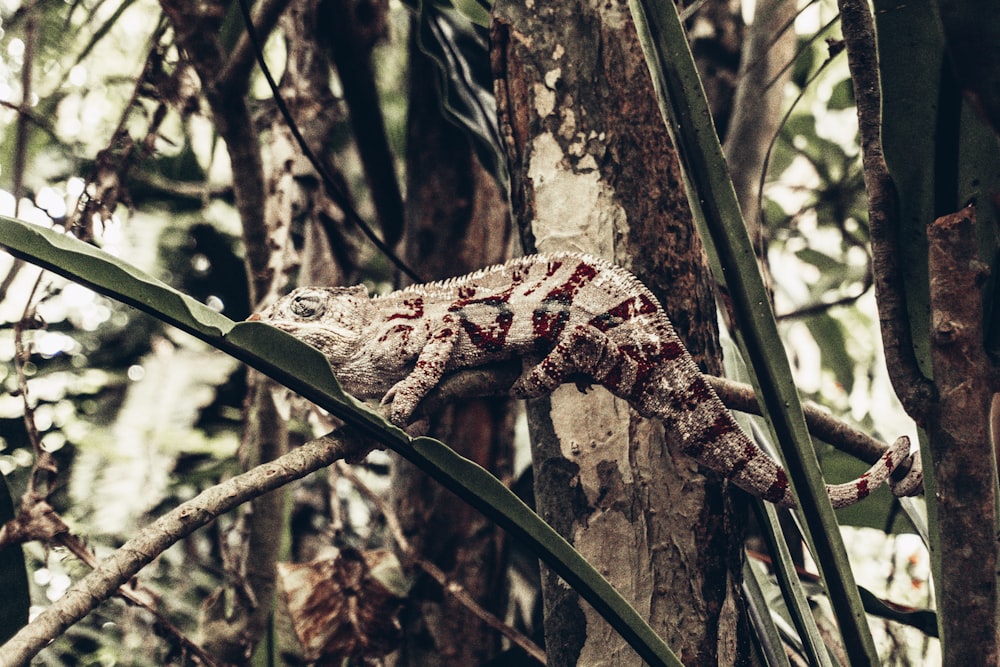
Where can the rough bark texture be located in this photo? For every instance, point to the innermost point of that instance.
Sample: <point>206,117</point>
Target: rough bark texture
<point>964,467</point>
<point>592,169</point>
<point>308,237</point>
<point>456,221</point>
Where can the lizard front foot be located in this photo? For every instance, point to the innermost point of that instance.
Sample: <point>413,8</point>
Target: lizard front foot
<point>400,402</point>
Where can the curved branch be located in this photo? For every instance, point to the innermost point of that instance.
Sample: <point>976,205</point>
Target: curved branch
<point>915,390</point>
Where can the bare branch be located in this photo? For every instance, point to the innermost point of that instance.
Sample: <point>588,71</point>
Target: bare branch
<point>915,391</point>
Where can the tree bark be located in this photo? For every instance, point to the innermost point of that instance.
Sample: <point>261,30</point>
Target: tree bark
<point>593,169</point>
<point>965,472</point>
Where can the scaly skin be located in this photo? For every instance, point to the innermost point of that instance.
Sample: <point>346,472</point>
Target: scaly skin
<point>566,317</point>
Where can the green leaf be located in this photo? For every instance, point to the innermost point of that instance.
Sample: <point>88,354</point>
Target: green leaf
<point>460,50</point>
<point>67,256</point>
<point>829,336</point>
<point>842,96</point>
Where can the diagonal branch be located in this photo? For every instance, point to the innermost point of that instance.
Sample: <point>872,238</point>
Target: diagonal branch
<point>236,72</point>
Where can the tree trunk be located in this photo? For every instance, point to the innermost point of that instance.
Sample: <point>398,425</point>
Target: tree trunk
<point>593,169</point>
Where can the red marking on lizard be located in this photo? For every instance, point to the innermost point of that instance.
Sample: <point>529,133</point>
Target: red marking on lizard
<point>623,312</point>
<point>491,337</point>
<point>400,331</point>
<point>564,293</point>
<point>415,310</point>
<point>779,487</point>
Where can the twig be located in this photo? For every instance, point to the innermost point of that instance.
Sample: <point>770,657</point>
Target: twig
<point>825,306</point>
<point>21,132</point>
<point>44,469</point>
<point>77,548</point>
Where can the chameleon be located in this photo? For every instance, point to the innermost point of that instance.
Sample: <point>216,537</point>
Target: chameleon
<point>566,317</point>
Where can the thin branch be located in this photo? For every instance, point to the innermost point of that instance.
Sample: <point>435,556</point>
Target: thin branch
<point>915,390</point>
<point>44,470</point>
<point>132,595</point>
<point>450,587</point>
<point>496,379</point>
<point>21,131</point>
<point>758,213</point>
<point>154,539</point>
<point>825,306</point>
<point>237,69</point>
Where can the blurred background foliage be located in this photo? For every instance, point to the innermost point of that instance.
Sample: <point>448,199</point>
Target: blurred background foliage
<point>140,417</point>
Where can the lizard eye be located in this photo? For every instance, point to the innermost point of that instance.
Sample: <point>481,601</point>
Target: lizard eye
<point>307,306</point>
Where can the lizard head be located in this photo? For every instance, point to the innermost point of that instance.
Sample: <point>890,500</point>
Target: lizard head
<point>330,319</point>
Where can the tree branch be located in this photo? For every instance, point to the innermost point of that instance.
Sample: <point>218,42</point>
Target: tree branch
<point>240,63</point>
<point>495,380</point>
<point>958,429</point>
<point>915,391</point>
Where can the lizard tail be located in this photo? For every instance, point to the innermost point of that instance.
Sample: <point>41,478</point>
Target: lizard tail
<point>842,495</point>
